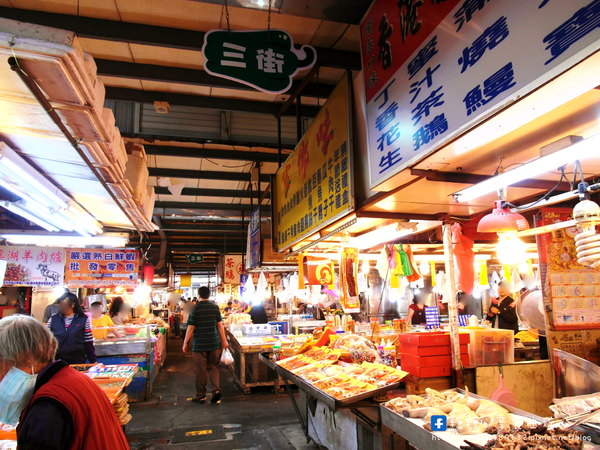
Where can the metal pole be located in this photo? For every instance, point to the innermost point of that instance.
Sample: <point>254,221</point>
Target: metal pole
<point>299,118</point>
<point>450,294</point>
<point>279,149</point>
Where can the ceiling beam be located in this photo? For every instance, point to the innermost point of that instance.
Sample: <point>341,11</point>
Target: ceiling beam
<point>194,77</point>
<point>201,101</point>
<point>346,11</point>
<point>211,206</point>
<point>137,33</point>
<point>203,174</point>
<point>472,178</point>
<point>208,250</point>
<point>198,140</point>
<point>193,228</point>
<point>195,152</point>
<point>228,193</point>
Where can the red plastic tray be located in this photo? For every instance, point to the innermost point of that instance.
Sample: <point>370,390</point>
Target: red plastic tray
<point>427,372</point>
<point>431,339</point>
<point>431,361</point>
<point>440,350</point>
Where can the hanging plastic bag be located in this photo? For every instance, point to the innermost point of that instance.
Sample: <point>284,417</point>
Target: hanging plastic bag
<point>226,358</point>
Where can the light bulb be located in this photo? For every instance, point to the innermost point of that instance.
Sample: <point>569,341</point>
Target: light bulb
<point>510,249</point>
<point>587,214</point>
<point>424,268</point>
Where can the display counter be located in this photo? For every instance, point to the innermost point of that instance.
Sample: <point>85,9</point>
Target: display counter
<point>474,422</point>
<point>248,372</point>
<point>113,380</point>
<point>135,344</point>
<point>337,411</point>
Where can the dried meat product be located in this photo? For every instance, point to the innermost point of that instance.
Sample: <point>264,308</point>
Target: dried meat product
<point>538,437</point>
<point>348,281</point>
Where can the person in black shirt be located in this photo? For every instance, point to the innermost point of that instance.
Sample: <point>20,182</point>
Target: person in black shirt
<point>504,307</point>
<point>205,325</point>
<point>258,314</point>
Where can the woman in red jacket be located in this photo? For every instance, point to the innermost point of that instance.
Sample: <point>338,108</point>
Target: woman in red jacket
<point>55,406</point>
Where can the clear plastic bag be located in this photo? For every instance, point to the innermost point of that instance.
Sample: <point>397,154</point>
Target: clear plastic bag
<point>226,358</point>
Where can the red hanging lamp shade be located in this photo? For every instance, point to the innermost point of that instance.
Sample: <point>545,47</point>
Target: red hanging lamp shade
<point>502,220</point>
<point>148,271</point>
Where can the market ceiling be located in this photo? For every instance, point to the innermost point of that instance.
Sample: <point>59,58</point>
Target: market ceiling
<point>201,153</point>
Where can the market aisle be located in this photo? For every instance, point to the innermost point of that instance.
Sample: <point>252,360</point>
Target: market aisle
<point>262,420</point>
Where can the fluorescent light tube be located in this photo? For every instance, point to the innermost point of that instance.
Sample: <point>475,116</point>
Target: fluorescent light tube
<point>116,241</point>
<point>587,148</point>
<point>49,215</point>
<point>18,171</point>
<point>85,220</point>
<point>16,208</point>
<point>391,233</point>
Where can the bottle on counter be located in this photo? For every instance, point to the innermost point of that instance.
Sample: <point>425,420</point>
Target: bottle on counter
<point>277,352</point>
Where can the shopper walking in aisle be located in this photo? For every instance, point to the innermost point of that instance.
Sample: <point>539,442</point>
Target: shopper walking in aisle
<point>205,327</point>
<point>57,407</point>
<point>505,308</point>
<point>73,331</point>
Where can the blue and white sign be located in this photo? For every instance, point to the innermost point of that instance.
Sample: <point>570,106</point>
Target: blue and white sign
<point>432,317</point>
<point>483,55</point>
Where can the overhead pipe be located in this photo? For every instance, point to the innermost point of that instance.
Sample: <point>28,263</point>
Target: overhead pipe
<point>162,255</point>
<point>41,98</point>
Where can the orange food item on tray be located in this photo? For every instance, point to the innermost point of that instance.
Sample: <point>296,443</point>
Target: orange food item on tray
<point>324,339</point>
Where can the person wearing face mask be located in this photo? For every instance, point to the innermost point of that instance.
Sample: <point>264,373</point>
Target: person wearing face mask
<point>55,406</point>
<point>504,307</point>
<point>73,331</point>
<point>416,311</point>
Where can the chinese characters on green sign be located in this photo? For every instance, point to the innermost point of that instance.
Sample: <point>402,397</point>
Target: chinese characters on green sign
<point>264,59</point>
<point>193,259</point>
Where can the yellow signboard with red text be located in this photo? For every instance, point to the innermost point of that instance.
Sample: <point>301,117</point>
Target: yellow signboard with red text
<point>314,187</point>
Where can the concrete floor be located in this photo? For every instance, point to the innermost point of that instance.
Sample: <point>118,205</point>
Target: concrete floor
<point>261,420</point>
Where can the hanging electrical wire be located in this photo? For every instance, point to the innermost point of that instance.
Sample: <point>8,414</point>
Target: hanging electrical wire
<point>547,194</point>
<point>227,15</point>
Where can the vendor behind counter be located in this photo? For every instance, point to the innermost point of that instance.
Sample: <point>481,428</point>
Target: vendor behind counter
<point>258,314</point>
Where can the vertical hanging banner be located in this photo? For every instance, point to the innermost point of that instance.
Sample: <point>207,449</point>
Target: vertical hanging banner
<point>96,268</point>
<point>233,268</point>
<point>253,256</point>
<point>314,187</point>
<point>266,60</point>
<point>33,266</point>
<point>433,69</point>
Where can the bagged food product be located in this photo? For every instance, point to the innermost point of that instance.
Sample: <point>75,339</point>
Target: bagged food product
<point>357,348</point>
<point>226,358</point>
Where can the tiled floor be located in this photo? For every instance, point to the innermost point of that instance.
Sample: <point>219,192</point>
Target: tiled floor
<point>261,420</point>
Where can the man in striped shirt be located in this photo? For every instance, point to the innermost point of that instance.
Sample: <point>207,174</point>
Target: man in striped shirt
<point>205,325</point>
<point>73,331</point>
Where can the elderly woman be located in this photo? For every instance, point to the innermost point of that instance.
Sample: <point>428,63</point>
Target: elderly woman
<point>56,406</point>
